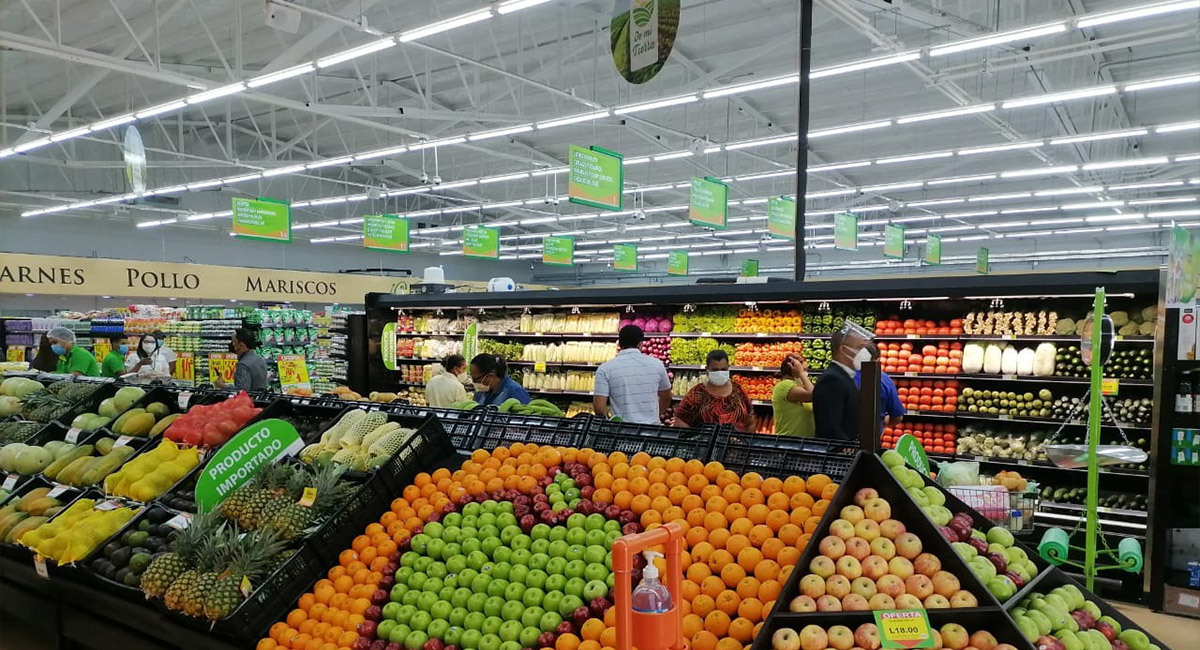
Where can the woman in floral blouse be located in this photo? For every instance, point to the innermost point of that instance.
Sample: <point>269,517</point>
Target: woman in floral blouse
<point>716,401</point>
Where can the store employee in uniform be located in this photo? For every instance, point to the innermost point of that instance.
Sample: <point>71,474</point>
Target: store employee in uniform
<point>493,386</point>
<point>114,362</point>
<point>72,359</point>
<point>835,396</point>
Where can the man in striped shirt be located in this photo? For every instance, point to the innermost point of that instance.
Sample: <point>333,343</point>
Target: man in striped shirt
<point>632,386</point>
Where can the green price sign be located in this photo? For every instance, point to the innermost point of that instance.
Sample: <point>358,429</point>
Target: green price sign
<point>781,217</point>
<point>238,460</point>
<point>913,453</point>
<point>893,241</point>
<point>749,269</point>
<point>845,232</point>
<point>677,263</point>
<point>982,265</point>
<point>933,249</point>
<point>385,232</point>
<point>471,341</point>
<point>625,257</point>
<point>387,346</point>
<point>903,628</point>
<point>596,178</point>
<point>709,204</point>
<point>481,241</point>
<point>261,218</point>
<point>559,251</point>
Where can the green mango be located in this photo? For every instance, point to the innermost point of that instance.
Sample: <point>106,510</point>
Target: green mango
<point>1029,629</point>
<point>1043,622</point>
<point>1069,640</point>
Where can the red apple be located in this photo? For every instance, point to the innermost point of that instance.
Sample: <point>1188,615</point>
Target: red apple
<point>813,586</point>
<point>890,584</point>
<point>945,583</point>
<point>813,637</point>
<point>828,603</point>
<point>852,514</point>
<point>802,604</point>
<point>874,567</point>
<point>841,528</point>
<point>927,564</point>
<point>891,528</point>
<point>908,601</point>
<point>934,601</point>
<point>858,548</point>
<point>983,640</point>
<point>881,601</point>
<point>864,495</point>
<point>900,567</point>
<point>908,546</point>
<point>832,547</point>
<point>822,566</point>
<point>878,510</point>
<point>837,586</point>
<point>867,529</point>
<point>849,567</point>
<point>919,586</point>
<point>863,586</point>
<point>963,598</point>
<point>867,636</point>
<point>840,637</point>
<point>855,603</point>
<point>954,636</point>
<point>883,547</point>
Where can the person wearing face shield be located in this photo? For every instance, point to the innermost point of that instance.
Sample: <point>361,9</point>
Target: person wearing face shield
<point>147,357</point>
<point>444,386</point>
<point>493,386</point>
<point>835,395</point>
<point>72,359</point>
<point>719,400</point>
<point>891,409</point>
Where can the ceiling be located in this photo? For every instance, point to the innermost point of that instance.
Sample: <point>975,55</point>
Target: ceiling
<point>69,64</point>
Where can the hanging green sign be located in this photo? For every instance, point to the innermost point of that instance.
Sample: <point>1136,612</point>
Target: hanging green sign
<point>262,218</point>
<point>385,232</point>
<point>845,232</point>
<point>893,241</point>
<point>559,251</point>
<point>471,341</point>
<point>238,460</point>
<point>677,263</point>
<point>481,241</point>
<point>641,36</point>
<point>781,217</point>
<point>709,204</point>
<point>749,269</point>
<point>387,346</point>
<point>982,265</point>
<point>625,257</point>
<point>596,178</point>
<point>933,249</point>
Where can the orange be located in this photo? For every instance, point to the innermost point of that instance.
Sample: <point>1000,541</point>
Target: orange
<point>306,602</point>
<point>592,629</point>
<point>695,535</point>
<point>735,511</point>
<point>296,617</point>
<point>690,590</point>
<point>732,492</point>
<point>692,624</point>
<point>741,526</point>
<point>343,584</point>
<point>660,503</point>
<point>651,517</point>
<point>712,521</point>
<point>719,560</point>
<point>726,477</point>
<point>789,534</point>
<point>741,629</point>
<point>820,507</point>
<point>728,602</point>
<point>801,500</point>
<point>766,570</point>
<point>788,556</point>
<point>640,504</point>
<point>778,519</point>
<point>590,645</point>
<point>639,485</point>
<point>672,513</point>
<point>829,491</point>
<point>602,480</point>
<point>712,470</point>
<point>703,604</point>
<point>696,482</point>
<point>702,551</point>
<point>640,458</point>
<point>704,640</point>
<point>816,483</point>
<point>717,622</point>
<point>637,471</point>
<point>769,590</point>
<point>712,587</point>
<point>771,547</point>
<point>771,486</point>
<point>748,558</point>
<point>748,587</point>
<point>620,470</point>
<point>623,499</point>
<point>657,476</point>
<point>347,556</point>
<point>760,534</point>
<point>269,644</point>
<point>752,497</point>
<point>716,504</point>
<point>758,513</point>
<point>799,515</point>
<point>678,493</point>
<point>732,574</point>
<point>736,543</point>
<point>300,641</point>
<point>709,492</point>
<point>718,537</point>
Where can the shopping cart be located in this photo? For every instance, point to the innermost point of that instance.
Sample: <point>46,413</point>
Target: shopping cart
<point>1010,510</point>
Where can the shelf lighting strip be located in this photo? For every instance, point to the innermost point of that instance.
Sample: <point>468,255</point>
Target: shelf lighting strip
<point>511,6</point>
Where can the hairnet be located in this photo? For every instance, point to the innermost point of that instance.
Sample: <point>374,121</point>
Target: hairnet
<point>61,334</point>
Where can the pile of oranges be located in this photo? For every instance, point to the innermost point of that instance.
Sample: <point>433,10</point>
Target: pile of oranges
<point>744,534</point>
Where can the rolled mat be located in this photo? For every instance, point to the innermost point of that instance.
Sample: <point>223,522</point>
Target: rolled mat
<point>1129,555</point>
<point>1054,546</point>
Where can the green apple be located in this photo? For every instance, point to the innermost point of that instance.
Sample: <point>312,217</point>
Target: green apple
<point>420,621</point>
<point>536,578</point>
<point>432,586</point>
<point>433,529</point>
<point>389,610</point>
<point>575,585</point>
<point>1135,639</point>
<point>437,570</point>
<point>538,561</point>
<point>510,630</point>
<point>594,554</point>
<point>491,625</point>
<point>474,620</point>
<point>533,597</point>
<point>528,636</point>
<point>470,639</point>
<point>501,571</point>
<point>398,591</point>
<point>480,584</point>
<point>419,543</point>
<point>467,576</point>
<point>384,630</point>
<point>514,591</point>
<point>1029,629</point>
<point>520,557</point>
<point>415,640</point>
<point>595,589</point>
<point>453,551</point>
<point>934,496</point>
<point>550,620</point>
<point>470,544</point>
<point>505,519</point>
<point>508,534</point>
<point>477,559</point>
<point>411,597</point>
<point>1001,536</point>
<point>918,496</point>
<point>470,509</point>
<point>452,519</point>
<point>452,534</point>
<point>550,602</point>
<point>521,541</point>
<point>557,533</point>
<point>892,458</point>
<point>577,520</point>
<point>595,521</point>
<point>1040,620</point>
<point>964,550</point>
<point>596,538</point>
<point>576,536</point>
<point>555,566</point>
<point>490,642</point>
<point>502,554</point>
<point>476,601</point>
<point>531,615</point>
<point>555,582</point>
<point>611,581</point>
<point>595,572</point>
<point>457,616</point>
<point>441,609</point>
<point>558,548</point>
<point>518,573</point>
<point>1069,640</point>
<point>493,605</point>
<point>498,587</point>
<point>399,633</point>
<point>540,546</point>
<point>569,604</point>
<point>489,532</point>
<point>453,636</point>
<point>610,537</point>
<point>540,531</point>
<point>486,519</point>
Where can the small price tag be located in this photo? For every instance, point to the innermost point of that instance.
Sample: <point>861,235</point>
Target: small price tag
<point>122,441</point>
<point>180,521</point>
<point>10,481</point>
<point>72,435</point>
<point>912,336</point>
<point>309,497</point>
<point>1022,461</point>
<point>1009,376</point>
<point>57,490</point>
<point>1009,337</point>
<point>903,628</point>
<point>1118,338</point>
<point>705,333</point>
<point>756,367</point>
<point>108,505</point>
<point>760,335</point>
<point>911,374</point>
<point>539,366</point>
<point>538,334</point>
<point>39,565</point>
<point>1110,386</point>
<point>184,398</point>
<point>1005,416</point>
<point>501,333</point>
<point>245,587</point>
<point>586,334</point>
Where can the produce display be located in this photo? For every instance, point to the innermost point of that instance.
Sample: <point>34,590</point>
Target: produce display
<point>76,465</point>
<point>1063,618</point>
<point>1128,411</point>
<point>414,396</point>
<point>1026,404</point>
<point>935,438</point>
<point>46,404</point>
<point>772,321</point>
<point>650,323</point>
<point>928,395</point>
<point>1012,323</point>
<point>271,501</point>
<point>865,636</point>
<point>684,382</point>
<point>658,347</point>
<point>13,391</point>
<point>765,355</point>
<point>435,349</point>
<point>894,326</point>
<point>126,558</point>
<point>1078,496</point>
<point>149,475</point>
<point>563,323</point>
<point>509,351</point>
<point>359,440</point>
<point>1125,363</point>
<point>77,531</point>
<point>589,352</point>
<point>817,354</point>
<point>692,352</point>
<point>211,425</point>
<point>1005,359</point>
<point>987,441</point>
<point>534,407</point>
<point>945,358</point>
<point>111,408</point>
<point>28,512</point>
<point>714,319</point>
<point>18,431</point>
<point>757,387</point>
<point>576,381</point>
<point>828,322</point>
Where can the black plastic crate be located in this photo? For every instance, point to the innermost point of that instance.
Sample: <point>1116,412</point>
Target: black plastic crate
<point>501,429</point>
<point>781,456</point>
<point>73,570</point>
<point>68,496</point>
<point>310,420</point>
<point>461,426</point>
<point>656,440</point>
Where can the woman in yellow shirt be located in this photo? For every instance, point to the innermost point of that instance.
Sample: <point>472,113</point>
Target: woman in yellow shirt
<point>792,399</point>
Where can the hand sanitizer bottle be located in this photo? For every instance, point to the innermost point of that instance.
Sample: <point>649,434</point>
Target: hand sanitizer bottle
<point>651,596</point>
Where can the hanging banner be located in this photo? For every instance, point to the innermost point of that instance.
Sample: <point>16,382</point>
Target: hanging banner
<point>781,217</point>
<point>625,257</point>
<point>293,373</point>
<point>268,219</point>
<point>749,269</point>
<point>222,366</point>
<point>385,232</point>
<point>845,232</point>
<point>387,346</point>
<point>933,249</point>
<point>481,241</point>
<point>596,178</point>
<point>641,36</point>
<point>558,251</point>
<point>981,262</point>
<point>677,263</point>
<point>238,460</point>
<point>185,368</point>
<point>709,205</point>
<point>1183,268</point>
<point>893,241</point>
<point>471,341</point>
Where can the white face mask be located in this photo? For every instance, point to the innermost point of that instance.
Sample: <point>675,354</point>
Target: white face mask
<point>862,356</point>
<point>464,378</point>
<point>481,388</point>
<point>718,377</point>
<point>149,346</point>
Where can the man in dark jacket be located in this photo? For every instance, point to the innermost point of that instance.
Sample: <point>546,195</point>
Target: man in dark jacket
<point>835,397</point>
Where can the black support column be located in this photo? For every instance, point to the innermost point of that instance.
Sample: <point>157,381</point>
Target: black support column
<point>805,29</point>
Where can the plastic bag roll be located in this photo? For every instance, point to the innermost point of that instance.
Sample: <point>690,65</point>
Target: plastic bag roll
<point>1129,554</point>
<point>1054,546</point>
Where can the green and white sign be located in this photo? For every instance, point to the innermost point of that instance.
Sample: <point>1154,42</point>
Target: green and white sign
<point>471,341</point>
<point>677,263</point>
<point>596,178</point>
<point>933,249</point>
<point>625,257</point>
<point>982,265</point>
<point>387,346</point>
<point>749,269</point>
<point>710,202</point>
<point>845,232</point>
<point>893,241</point>
<point>905,629</point>
<point>238,460</point>
<point>641,36</point>
<point>559,251</point>
<point>781,217</point>
<point>481,241</point>
<point>385,232</point>
<point>913,453</point>
<point>262,218</point>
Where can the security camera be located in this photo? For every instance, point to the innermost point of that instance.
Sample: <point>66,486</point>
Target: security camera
<point>548,200</point>
<point>437,180</point>
<point>641,215</point>
<point>424,178</point>
<point>373,193</point>
<point>894,205</point>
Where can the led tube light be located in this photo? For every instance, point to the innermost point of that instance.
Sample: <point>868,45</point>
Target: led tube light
<point>1000,147</point>
<point>1117,164</point>
<point>207,95</point>
<point>73,133</point>
<point>160,109</point>
<point>1131,133</point>
<point>1059,97</point>
<point>280,75</point>
<point>1039,171</point>
<point>1162,83</point>
<point>445,25</point>
<point>864,65</point>
<point>750,87</point>
<point>999,39</point>
<point>661,103</point>
<point>1137,12</point>
<point>954,112</point>
<point>574,119</point>
<point>499,133</point>
<point>354,53</point>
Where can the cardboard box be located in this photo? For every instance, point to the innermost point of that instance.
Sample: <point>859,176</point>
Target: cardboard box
<point>1178,600</point>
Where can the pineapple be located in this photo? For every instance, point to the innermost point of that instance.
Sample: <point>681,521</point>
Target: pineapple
<point>293,519</point>
<point>211,556</point>
<point>292,487</point>
<point>167,567</point>
<point>250,557</point>
<point>241,505</point>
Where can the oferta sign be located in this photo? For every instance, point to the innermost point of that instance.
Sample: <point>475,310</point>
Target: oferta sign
<point>781,217</point>
<point>933,249</point>
<point>481,241</point>
<point>893,241</point>
<point>709,205</point>
<point>642,34</point>
<point>558,251</point>
<point>385,232</point>
<point>677,263</point>
<point>845,232</point>
<point>238,460</point>
<point>262,218</point>
<point>596,178</point>
<point>625,257</point>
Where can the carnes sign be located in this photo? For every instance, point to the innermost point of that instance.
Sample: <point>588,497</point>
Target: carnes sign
<point>78,276</point>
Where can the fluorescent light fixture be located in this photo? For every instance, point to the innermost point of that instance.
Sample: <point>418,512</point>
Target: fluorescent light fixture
<point>756,177</point>
<point>1130,133</point>
<point>629,162</point>
<point>172,189</point>
<point>1143,226</point>
<point>531,222</point>
<point>828,193</point>
<point>1060,97</point>
<point>1107,218</point>
<point>751,86</point>
<point>323,224</point>
<point>1134,162</point>
<point>160,109</point>
<point>574,119</point>
<point>1052,208</point>
<point>850,128</point>
<point>280,75</point>
<point>1092,205</point>
<point>73,133</point>
<point>517,5</point>
<point>893,186</point>
<point>1146,186</point>
<point>877,207</point>
<point>114,121</point>
<point>239,179</point>
<point>437,143</point>
<point>1162,201</point>
<point>670,156</point>
<point>922,204</point>
<point>951,229</point>
<point>499,133</point>
<point>1186,158</point>
<point>999,39</point>
<point>833,166</point>
<point>954,112</point>
<point>1162,83</point>
<point>381,153</point>
<point>1178,126</point>
<point>1000,147</point>
<point>961,179</point>
<point>278,171</point>
<point>457,184</point>
<point>1137,12</point>
<point>354,53</point>
<point>1091,189</point>
<point>856,66</point>
<point>965,215</point>
<point>445,25</point>
<point>205,96</point>
<point>203,184</point>
<point>914,157</point>
<point>506,177</point>
<point>1039,171</point>
<point>1171,214</point>
<point>1005,224</point>
<point>329,162</point>
<point>660,103</point>
<point>1000,197</point>
<point>1057,222</point>
<point>791,138</point>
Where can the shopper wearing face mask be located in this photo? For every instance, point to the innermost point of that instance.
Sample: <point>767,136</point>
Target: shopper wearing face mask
<point>445,386</point>
<point>792,399</point>
<point>716,401</point>
<point>891,409</point>
<point>72,359</point>
<point>251,370</point>
<point>493,386</point>
<point>835,396</point>
<point>147,358</point>
<point>114,362</point>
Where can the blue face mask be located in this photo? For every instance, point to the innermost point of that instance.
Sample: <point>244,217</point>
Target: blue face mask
<point>123,348</point>
<point>58,349</point>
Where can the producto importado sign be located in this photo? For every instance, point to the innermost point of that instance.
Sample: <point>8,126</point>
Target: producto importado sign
<point>87,276</point>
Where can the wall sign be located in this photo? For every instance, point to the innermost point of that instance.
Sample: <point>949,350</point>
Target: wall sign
<point>238,460</point>
<point>781,217</point>
<point>558,251</point>
<point>845,232</point>
<point>709,205</point>
<point>596,178</point>
<point>893,241</point>
<point>642,35</point>
<point>481,241</point>
<point>293,372</point>
<point>933,249</point>
<point>385,232</point>
<point>677,263</point>
<point>982,265</point>
<point>625,257</point>
<point>749,269</point>
<point>269,219</point>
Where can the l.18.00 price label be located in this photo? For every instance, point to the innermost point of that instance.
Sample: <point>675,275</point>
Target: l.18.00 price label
<point>903,628</point>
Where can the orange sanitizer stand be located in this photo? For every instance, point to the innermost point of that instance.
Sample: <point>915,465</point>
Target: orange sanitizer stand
<point>648,631</point>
